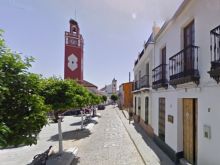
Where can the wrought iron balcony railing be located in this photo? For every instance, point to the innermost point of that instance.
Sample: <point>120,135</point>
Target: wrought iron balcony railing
<point>215,53</point>
<point>160,76</point>
<point>144,81</point>
<point>184,66</point>
<point>136,85</point>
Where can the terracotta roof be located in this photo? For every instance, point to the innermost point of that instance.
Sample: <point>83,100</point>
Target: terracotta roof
<point>87,84</point>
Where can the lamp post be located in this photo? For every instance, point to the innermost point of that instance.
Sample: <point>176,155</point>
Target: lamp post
<point>60,135</point>
<point>81,119</point>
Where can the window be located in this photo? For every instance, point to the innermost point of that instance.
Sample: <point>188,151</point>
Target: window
<point>189,40</point>
<point>189,34</point>
<point>67,40</point>
<point>163,56</point>
<point>135,105</point>
<point>139,78</point>
<point>162,120</point>
<point>147,74</point>
<point>139,106</point>
<point>163,62</point>
<point>74,30</point>
<point>147,69</point>
<point>146,109</point>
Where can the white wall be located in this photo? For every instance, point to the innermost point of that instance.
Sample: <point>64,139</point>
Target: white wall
<point>141,65</point>
<point>209,149</point>
<point>206,15</point>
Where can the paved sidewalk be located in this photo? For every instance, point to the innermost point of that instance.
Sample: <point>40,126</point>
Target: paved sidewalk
<point>150,152</point>
<point>109,143</point>
<point>72,136</point>
<point>70,153</point>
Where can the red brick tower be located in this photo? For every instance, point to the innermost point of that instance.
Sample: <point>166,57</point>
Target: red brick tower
<point>73,64</point>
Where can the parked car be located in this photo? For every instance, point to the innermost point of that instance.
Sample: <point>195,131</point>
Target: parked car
<point>101,107</point>
<point>72,112</point>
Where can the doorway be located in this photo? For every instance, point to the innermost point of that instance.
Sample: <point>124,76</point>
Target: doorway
<point>189,41</point>
<point>190,129</point>
<point>146,109</point>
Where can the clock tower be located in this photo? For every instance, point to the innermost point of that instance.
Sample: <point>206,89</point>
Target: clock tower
<point>73,63</point>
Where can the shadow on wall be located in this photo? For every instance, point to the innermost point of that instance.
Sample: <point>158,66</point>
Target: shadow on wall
<point>159,153</point>
<point>72,135</point>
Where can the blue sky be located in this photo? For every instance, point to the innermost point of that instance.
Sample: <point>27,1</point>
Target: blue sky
<point>114,32</point>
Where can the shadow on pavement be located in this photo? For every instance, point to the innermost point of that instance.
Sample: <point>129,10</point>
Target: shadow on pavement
<point>72,135</point>
<point>84,122</point>
<point>151,144</point>
<point>76,161</point>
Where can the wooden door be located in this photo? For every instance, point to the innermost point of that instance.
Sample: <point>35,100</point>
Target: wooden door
<point>162,120</point>
<point>189,130</point>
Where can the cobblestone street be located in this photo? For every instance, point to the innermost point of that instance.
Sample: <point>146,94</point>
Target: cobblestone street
<point>108,144</point>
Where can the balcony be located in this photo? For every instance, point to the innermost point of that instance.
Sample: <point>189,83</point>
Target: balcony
<point>160,77</point>
<point>144,81</point>
<point>215,54</point>
<point>184,66</point>
<point>136,85</point>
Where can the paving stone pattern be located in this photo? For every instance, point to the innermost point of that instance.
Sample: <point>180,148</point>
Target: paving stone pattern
<point>109,143</point>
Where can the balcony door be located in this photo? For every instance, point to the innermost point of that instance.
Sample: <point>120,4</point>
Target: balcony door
<point>189,40</point>
<point>163,63</point>
<point>147,74</point>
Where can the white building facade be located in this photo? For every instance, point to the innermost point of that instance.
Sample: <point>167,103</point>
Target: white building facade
<point>142,84</point>
<point>110,89</point>
<point>184,112</point>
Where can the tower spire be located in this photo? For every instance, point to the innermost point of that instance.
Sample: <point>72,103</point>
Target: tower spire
<point>75,14</point>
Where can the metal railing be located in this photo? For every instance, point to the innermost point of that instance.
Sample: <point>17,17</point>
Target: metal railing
<point>215,47</point>
<point>144,81</point>
<point>184,63</point>
<point>160,75</point>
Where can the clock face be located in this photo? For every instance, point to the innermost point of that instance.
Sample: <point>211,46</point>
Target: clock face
<point>72,62</point>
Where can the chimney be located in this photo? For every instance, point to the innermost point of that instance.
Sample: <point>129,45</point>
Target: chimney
<point>155,29</point>
<point>129,76</point>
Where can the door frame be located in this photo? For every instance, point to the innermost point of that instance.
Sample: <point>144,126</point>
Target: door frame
<point>194,127</point>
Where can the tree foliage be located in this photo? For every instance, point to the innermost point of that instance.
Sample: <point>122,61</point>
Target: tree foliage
<point>26,98</point>
<point>22,109</point>
<point>104,98</point>
<point>62,95</point>
<point>114,97</point>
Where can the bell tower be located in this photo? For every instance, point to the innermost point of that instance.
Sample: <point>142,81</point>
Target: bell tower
<point>114,86</point>
<point>73,62</point>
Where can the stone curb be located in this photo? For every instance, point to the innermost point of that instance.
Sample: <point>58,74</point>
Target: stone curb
<point>130,136</point>
<point>145,152</point>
